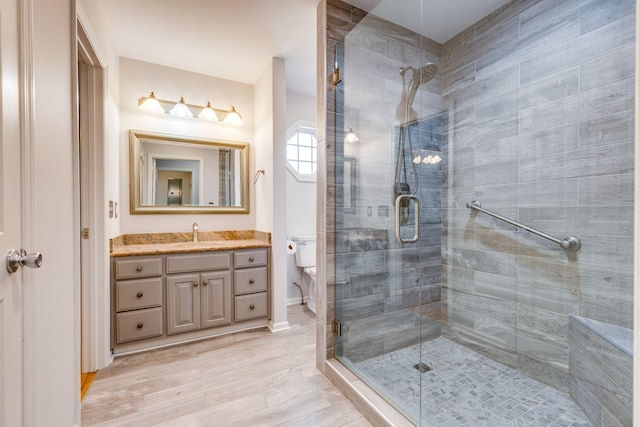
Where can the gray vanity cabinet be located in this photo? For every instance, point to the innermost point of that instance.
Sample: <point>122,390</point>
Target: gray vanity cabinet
<point>215,299</point>
<point>201,299</point>
<point>183,303</point>
<point>251,284</point>
<point>169,298</point>
<point>137,295</point>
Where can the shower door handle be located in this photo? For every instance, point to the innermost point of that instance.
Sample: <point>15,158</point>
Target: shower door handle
<point>408,198</point>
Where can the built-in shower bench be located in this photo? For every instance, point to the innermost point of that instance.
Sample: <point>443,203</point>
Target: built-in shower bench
<point>600,370</point>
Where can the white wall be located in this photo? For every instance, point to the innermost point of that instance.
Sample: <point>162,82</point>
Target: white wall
<point>300,196</point>
<point>270,145</point>
<point>138,79</point>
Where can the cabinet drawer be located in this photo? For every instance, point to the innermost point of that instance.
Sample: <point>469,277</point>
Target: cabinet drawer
<point>138,267</point>
<point>251,306</point>
<point>250,280</point>
<point>139,324</point>
<point>134,294</point>
<point>250,258</point>
<point>198,262</point>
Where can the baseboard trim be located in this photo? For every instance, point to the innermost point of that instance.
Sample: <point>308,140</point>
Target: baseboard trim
<point>280,326</point>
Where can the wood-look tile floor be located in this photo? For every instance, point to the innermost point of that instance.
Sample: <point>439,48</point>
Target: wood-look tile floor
<point>253,378</point>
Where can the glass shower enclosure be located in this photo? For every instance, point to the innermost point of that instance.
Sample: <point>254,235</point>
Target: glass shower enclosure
<point>481,231</point>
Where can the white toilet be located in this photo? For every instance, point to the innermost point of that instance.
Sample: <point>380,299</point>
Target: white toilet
<point>306,259</point>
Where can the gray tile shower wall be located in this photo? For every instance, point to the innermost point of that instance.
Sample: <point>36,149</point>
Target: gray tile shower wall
<point>540,98</point>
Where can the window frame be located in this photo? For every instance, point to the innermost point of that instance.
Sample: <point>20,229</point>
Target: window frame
<point>290,133</point>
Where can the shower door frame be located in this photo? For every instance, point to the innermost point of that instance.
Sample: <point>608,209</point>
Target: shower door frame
<point>373,407</point>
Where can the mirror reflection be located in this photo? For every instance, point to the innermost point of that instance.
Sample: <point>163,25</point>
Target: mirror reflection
<point>174,174</point>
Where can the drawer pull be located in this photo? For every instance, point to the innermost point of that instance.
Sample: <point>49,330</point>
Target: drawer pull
<point>139,268</point>
<point>140,325</point>
<point>252,306</point>
<point>251,259</point>
<point>251,281</point>
<point>205,283</point>
<point>139,294</point>
<point>195,284</point>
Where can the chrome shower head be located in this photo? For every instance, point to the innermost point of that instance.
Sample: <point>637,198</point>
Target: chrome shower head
<point>427,72</point>
<point>421,75</point>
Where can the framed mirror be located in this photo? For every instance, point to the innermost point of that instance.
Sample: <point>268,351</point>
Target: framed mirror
<point>171,174</point>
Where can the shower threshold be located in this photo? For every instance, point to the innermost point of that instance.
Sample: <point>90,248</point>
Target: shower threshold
<point>464,388</point>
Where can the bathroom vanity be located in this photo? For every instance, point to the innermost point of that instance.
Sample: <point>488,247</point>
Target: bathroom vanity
<point>167,289</point>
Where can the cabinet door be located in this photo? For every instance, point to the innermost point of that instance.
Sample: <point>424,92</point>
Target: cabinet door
<point>216,299</point>
<point>183,303</point>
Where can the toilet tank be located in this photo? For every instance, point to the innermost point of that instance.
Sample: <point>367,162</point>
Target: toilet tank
<point>306,251</point>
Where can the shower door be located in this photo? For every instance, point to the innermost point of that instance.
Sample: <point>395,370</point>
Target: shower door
<point>480,150</point>
<point>388,207</point>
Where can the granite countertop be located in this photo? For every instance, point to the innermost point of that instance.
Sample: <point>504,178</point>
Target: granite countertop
<point>168,243</point>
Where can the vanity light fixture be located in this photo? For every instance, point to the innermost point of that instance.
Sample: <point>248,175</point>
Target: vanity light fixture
<point>207,113</point>
<point>151,104</point>
<point>181,110</point>
<point>428,159</point>
<point>351,136</point>
<point>432,159</point>
<point>233,118</point>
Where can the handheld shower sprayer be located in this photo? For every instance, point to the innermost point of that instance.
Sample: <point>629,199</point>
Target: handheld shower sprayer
<point>419,75</point>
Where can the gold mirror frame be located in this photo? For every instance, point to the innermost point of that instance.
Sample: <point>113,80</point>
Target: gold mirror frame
<point>134,175</point>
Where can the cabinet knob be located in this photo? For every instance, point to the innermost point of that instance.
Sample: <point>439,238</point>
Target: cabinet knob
<point>252,306</point>
<point>140,325</point>
<point>195,284</point>
<point>139,294</point>
<point>139,268</point>
<point>251,259</point>
<point>251,281</point>
<point>205,283</point>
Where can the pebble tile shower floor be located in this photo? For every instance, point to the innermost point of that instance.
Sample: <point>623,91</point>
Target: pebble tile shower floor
<point>467,389</point>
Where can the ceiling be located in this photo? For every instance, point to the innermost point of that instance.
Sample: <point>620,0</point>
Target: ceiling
<point>236,39</point>
<point>437,19</point>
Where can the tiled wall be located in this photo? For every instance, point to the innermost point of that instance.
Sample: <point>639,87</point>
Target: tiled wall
<point>540,96</point>
<point>389,293</point>
<point>538,100</point>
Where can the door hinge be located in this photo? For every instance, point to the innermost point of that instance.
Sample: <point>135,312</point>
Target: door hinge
<point>337,328</point>
<point>85,233</point>
<point>335,77</point>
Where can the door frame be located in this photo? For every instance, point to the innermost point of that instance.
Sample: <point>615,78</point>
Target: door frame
<point>93,308</point>
<point>27,135</point>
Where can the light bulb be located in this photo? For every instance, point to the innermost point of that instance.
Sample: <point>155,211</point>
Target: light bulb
<point>351,136</point>
<point>150,104</point>
<point>207,113</point>
<point>432,159</point>
<point>233,118</point>
<point>181,110</point>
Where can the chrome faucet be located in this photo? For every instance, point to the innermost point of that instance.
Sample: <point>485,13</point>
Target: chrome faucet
<point>195,231</point>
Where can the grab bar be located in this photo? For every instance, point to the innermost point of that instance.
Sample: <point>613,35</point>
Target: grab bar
<point>568,243</point>
<point>416,225</point>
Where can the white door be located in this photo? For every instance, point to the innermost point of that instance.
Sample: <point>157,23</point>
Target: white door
<point>11,290</point>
